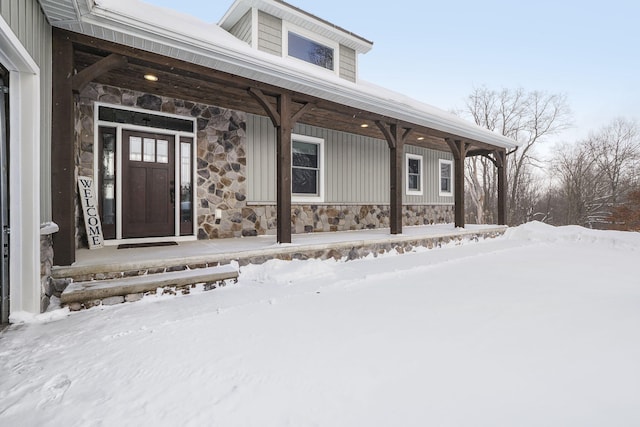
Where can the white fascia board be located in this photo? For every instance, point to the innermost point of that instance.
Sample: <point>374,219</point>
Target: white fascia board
<point>220,50</point>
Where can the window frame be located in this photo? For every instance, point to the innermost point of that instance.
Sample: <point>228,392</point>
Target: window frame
<point>300,197</point>
<point>440,191</point>
<point>410,191</point>
<point>288,27</point>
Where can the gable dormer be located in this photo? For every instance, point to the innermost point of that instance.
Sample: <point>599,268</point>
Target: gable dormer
<point>281,29</point>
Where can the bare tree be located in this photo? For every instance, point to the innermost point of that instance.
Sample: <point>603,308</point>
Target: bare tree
<point>527,117</point>
<point>580,186</point>
<point>616,150</point>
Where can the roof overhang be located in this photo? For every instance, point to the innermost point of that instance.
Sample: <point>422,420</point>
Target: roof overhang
<point>185,38</point>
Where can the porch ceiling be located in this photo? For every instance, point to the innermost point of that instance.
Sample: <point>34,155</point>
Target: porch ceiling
<point>192,82</point>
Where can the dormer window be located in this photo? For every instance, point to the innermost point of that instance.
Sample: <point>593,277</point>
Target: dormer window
<point>310,51</point>
<point>303,45</point>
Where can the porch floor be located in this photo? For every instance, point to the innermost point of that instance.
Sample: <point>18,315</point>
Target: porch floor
<point>261,248</point>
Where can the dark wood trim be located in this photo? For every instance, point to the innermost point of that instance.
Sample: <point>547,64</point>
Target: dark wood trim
<point>283,169</point>
<point>391,139</point>
<point>459,149</point>
<point>80,80</point>
<point>301,112</point>
<point>163,64</point>
<point>272,112</point>
<point>501,164</point>
<point>63,191</point>
<point>396,138</point>
<point>499,159</point>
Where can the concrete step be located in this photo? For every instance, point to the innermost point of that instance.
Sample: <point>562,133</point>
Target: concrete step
<point>87,294</point>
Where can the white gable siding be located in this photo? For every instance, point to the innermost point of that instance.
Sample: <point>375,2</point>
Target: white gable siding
<point>269,34</point>
<point>347,63</point>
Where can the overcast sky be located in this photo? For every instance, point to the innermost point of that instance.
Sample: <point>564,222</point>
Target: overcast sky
<point>438,51</point>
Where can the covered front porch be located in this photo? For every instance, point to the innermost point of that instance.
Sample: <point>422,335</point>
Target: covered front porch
<point>80,59</point>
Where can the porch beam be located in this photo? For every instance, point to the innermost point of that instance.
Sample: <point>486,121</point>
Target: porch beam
<point>62,151</point>
<point>80,80</point>
<point>459,149</point>
<point>173,66</point>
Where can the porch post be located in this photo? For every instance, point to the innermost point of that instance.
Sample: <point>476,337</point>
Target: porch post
<point>283,169</point>
<point>283,120</point>
<point>459,149</point>
<point>395,139</point>
<point>501,163</point>
<point>395,186</point>
<point>62,159</point>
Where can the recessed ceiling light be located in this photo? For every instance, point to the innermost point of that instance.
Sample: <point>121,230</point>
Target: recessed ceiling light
<point>151,77</point>
<point>364,125</point>
<point>420,138</point>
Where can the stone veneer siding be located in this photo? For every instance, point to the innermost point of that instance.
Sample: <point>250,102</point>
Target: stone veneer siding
<point>221,159</point>
<point>221,174</point>
<point>258,220</point>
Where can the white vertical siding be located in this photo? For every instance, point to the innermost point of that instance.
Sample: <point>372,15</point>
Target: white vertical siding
<point>356,167</point>
<point>34,32</point>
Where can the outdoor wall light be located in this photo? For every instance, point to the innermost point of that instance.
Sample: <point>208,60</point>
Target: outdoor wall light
<point>218,216</point>
<point>151,77</point>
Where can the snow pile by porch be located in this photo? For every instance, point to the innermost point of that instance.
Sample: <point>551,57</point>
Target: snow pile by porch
<point>539,327</point>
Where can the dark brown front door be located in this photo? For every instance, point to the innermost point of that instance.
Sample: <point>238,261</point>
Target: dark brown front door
<point>148,185</point>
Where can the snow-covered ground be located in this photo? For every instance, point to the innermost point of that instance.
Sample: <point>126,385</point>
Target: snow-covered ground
<point>539,327</point>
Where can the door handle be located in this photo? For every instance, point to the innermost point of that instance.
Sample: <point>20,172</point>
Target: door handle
<point>172,192</point>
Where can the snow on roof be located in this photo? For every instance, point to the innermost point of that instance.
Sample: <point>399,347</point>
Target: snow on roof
<point>186,37</point>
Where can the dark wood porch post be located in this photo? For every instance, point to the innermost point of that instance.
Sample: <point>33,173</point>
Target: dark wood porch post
<point>395,139</point>
<point>459,149</point>
<point>395,186</point>
<point>283,120</point>
<point>283,169</point>
<point>501,164</point>
<point>62,144</point>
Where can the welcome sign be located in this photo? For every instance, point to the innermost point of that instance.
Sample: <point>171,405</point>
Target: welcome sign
<point>90,211</point>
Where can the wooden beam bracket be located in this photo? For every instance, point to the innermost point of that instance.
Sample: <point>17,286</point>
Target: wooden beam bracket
<point>80,80</point>
<point>272,112</point>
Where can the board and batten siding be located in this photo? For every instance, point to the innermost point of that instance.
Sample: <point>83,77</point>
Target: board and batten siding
<point>269,33</point>
<point>30,25</point>
<point>356,167</point>
<point>242,29</point>
<point>347,63</point>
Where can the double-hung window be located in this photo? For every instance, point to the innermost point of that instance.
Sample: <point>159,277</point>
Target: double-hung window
<point>307,168</point>
<point>446,177</point>
<point>414,174</point>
